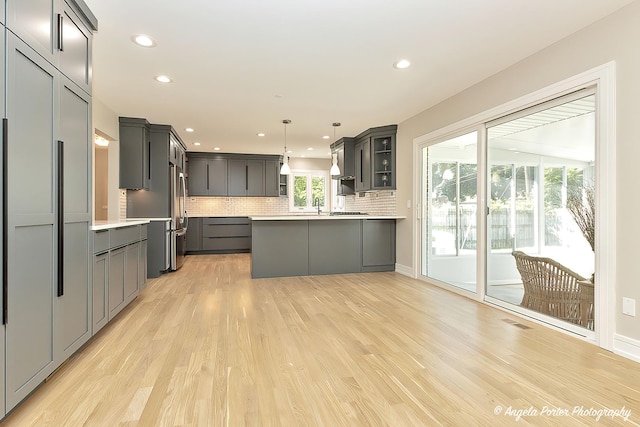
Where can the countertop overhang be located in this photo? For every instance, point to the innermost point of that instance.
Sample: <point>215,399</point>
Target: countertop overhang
<point>316,217</point>
<point>106,225</point>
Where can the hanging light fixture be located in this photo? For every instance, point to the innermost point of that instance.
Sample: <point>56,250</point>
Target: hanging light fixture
<point>335,169</point>
<point>285,169</point>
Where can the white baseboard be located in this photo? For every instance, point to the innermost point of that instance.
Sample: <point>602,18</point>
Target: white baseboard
<point>626,347</point>
<point>405,270</point>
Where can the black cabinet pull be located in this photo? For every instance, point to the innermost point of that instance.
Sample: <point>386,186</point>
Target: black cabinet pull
<point>149,158</point>
<point>246,177</point>
<point>360,178</point>
<point>207,176</point>
<point>60,34</point>
<point>5,222</point>
<point>60,218</point>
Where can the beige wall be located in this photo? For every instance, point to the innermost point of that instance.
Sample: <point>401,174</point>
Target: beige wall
<point>105,121</point>
<point>614,38</point>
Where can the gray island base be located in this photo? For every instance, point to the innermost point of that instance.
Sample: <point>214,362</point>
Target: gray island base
<point>304,246</point>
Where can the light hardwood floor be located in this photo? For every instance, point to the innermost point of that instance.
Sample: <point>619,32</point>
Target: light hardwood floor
<point>209,346</point>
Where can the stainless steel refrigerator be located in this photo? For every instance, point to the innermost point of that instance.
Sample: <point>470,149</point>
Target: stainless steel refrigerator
<point>179,218</point>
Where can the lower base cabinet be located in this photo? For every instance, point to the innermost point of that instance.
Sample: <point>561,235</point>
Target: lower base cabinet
<point>119,270</point>
<point>219,235</point>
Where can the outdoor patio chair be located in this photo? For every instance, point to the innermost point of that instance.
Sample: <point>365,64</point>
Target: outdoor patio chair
<point>553,289</point>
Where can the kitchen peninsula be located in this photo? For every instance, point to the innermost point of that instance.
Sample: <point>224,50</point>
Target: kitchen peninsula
<point>304,245</point>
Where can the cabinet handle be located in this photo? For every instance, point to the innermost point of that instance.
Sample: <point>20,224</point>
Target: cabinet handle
<point>246,177</point>
<point>361,163</point>
<point>60,30</point>
<point>149,158</point>
<point>5,222</point>
<point>207,176</point>
<point>60,218</point>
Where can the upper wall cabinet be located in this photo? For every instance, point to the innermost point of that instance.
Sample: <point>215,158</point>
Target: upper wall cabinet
<point>135,153</point>
<point>58,30</point>
<point>375,159</point>
<point>233,175</point>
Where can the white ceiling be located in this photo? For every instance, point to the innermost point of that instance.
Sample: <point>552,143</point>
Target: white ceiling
<point>240,67</point>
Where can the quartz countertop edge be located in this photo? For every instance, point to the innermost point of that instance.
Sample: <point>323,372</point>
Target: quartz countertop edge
<point>320,217</point>
<point>106,225</point>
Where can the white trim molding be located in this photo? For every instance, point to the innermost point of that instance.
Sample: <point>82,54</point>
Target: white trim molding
<point>627,347</point>
<point>405,270</point>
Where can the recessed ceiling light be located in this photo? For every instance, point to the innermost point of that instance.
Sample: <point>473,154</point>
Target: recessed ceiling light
<point>310,149</point>
<point>143,40</point>
<point>216,149</point>
<point>260,134</point>
<point>196,143</point>
<point>326,137</point>
<point>289,151</point>
<point>403,63</point>
<point>163,79</point>
<point>189,129</point>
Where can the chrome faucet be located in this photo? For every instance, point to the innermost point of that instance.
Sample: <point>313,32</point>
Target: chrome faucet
<point>317,203</point>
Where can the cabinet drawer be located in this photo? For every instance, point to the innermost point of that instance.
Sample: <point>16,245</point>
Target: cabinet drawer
<point>226,243</point>
<point>231,230</point>
<point>226,220</point>
<point>100,241</point>
<point>124,235</point>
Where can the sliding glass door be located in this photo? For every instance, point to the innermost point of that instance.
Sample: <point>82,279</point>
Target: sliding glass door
<point>536,171</point>
<point>449,235</point>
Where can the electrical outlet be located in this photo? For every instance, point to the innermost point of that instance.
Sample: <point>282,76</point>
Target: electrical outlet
<point>628,306</point>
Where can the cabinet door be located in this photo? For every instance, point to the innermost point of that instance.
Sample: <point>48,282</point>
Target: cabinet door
<point>31,96</point>
<point>198,180</point>
<point>217,177</point>
<point>237,177</point>
<point>34,22</point>
<point>194,234</point>
<point>142,265</point>
<point>271,178</point>
<point>378,244</point>
<point>131,254</point>
<point>383,162</point>
<point>75,52</point>
<point>116,281</point>
<point>72,314</point>
<point>255,178</point>
<point>100,281</point>
<point>135,151</point>
<point>363,166</point>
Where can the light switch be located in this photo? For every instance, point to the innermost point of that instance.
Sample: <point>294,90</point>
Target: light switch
<point>409,204</point>
<point>629,306</point>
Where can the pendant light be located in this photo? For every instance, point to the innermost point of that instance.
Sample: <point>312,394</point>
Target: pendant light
<point>285,169</point>
<point>335,169</point>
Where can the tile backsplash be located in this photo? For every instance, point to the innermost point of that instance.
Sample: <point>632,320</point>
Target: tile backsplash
<point>376,203</point>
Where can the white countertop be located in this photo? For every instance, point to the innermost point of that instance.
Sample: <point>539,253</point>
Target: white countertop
<point>105,225</point>
<point>313,217</point>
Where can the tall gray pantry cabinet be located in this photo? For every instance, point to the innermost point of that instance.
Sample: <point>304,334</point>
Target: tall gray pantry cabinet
<point>46,190</point>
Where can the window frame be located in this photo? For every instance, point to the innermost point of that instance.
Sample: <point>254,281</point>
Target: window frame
<point>309,174</point>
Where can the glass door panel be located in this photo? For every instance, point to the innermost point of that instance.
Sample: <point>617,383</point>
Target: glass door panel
<point>449,211</point>
<point>541,223</point>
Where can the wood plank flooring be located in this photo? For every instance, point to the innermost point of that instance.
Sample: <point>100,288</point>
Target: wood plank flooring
<point>209,346</point>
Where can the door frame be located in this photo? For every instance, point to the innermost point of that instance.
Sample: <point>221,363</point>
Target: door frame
<point>603,78</point>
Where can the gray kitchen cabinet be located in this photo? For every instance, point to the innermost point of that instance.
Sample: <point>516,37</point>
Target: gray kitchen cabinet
<point>226,234</point>
<point>135,153</point>
<point>142,265</point>
<point>116,281</point>
<point>344,150</point>
<point>2,254</point>
<point>334,246</point>
<point>131,256</point>
<point>100,314</point>
<point>245,177</point>
<point>194,235</point>
<point>363,165</point>
<point>378,245</point>
<point>33,219</point>
<point>66,40</point>
<point>207,176</point>
<point>48,196</point>
<point>272,178</point>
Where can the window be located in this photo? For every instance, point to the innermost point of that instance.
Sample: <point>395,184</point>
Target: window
<point>309,189</point>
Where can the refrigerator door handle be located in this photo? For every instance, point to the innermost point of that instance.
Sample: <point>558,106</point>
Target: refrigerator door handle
<point>60,218</point>
<point>5,223</point>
